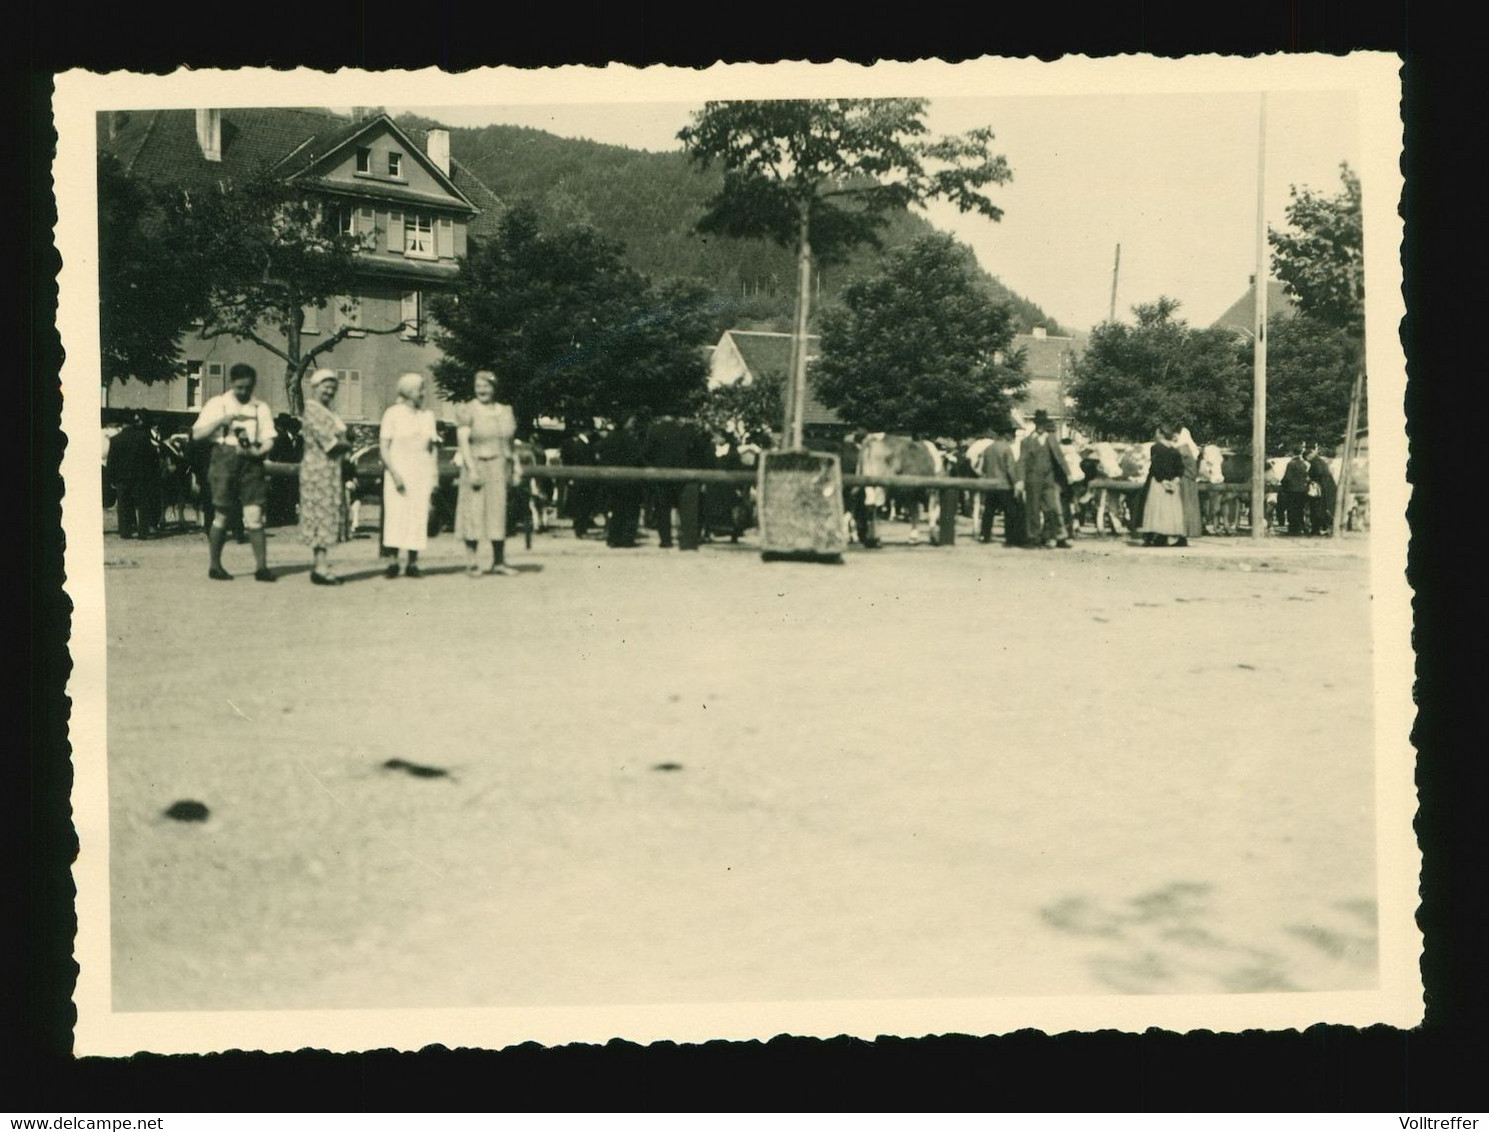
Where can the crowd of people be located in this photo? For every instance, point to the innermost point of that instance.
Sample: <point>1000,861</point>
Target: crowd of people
<point>1034,482</point>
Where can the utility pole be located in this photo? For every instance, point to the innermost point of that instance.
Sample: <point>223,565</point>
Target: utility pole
<point>1259,327</point>
<point>1112,316</point>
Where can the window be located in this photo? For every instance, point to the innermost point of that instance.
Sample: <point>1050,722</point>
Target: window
<point>349,393</point>
<point>418,236</point>
<point>194,399</point>
<point>412,315</point>
<point>395,164</point>
<point>364,160</point>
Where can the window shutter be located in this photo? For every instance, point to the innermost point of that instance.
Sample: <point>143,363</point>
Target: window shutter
<point>395,233</point>
<point>367,226</point>
<point>444,238</point>
<point>312,324</point>
<point>354,392</point>
<point>409,315</point>
<point>216,379</point>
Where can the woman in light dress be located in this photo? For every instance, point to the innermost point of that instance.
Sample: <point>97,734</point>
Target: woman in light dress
<point>1163,510</point>
<point>322,498</point>
<point>409,444</point>
<point>486,431</point>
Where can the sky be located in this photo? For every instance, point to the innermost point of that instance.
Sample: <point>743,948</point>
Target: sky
<point>1172,178</point>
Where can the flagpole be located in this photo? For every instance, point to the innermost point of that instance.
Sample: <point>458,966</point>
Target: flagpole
<point>1259,327</point>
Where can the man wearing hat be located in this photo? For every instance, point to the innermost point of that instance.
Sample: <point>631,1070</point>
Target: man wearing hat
<point>1041,477</point>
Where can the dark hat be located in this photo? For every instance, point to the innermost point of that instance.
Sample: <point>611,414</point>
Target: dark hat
<point>1041,418</point>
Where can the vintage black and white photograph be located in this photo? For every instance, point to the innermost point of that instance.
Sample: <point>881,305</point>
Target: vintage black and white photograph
<point>589,554</point>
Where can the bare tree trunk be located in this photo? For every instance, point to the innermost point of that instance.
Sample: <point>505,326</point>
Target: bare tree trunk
<point>796,400</point>
<point>294,367</point>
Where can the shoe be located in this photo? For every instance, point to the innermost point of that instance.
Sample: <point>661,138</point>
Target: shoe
<point>412,571</point>
<point>264,575</point>
<point>218,574</point>
<point>1062,544</point>
<point>1181,542</point>
<point>391,571</point>
<point>501,569</point>
<point>324,579</point>
<point>473,571</point>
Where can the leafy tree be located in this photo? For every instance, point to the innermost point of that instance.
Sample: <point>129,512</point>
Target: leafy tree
<point>568,327</point>
<point>823,175</point>
<point>1161,370</point>
<point>265,253</point>
<point>914,348</point>
<point>746,410</point>
<point>146,299</point>
<point>1310,374</point>
<point>1321,260</point>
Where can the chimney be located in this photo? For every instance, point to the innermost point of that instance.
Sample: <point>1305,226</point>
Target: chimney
<point>438,149</point>
<point>1039,332</point>
<point>209,133</point>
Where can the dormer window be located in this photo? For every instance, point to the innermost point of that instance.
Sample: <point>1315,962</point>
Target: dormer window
<point>364,160</point>
<point>395,164</point>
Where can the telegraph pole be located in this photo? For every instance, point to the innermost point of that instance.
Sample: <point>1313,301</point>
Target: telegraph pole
<point>1112,316</point>
<point>1259,326</point>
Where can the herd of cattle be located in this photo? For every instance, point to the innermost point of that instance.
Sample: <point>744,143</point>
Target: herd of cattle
<point>1103,476</point>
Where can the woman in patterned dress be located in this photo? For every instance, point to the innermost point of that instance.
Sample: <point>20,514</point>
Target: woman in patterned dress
<point>408,442</point>
<point>321,497</point>
<point>486,431</point>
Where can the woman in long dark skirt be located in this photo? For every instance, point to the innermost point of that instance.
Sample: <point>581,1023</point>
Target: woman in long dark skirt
<point>1163,509</point>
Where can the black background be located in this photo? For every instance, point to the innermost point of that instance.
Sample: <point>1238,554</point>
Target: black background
<point>1436,1068</point>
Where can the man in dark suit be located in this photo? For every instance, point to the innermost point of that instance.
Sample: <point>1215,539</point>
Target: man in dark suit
<point>133,468</point>
<point>578,451</point>
<point>1041,477</point>
<point>622,449</point>
<point>1323,492</point>
<point>998,468</point>
<point>674,443</point>
<point>1292,493</point>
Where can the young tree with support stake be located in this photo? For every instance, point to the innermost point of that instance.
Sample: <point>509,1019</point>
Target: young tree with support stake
<point>822,176</point>
<point>1321,263</point>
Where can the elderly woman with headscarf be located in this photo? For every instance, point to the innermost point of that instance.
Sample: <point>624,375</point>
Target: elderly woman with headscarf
<point>409,444</point>
<point>1163,510</point>
<point>322,498</point>
<point>1194,522</point>
<point>486,431</point>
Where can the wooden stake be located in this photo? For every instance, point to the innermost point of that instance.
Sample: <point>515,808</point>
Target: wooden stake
<point>1259,326</point>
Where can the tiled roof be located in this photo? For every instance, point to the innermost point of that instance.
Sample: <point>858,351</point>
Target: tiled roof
<point>161,145</point>
<point>1045,357</point>
<point>1242,313</point>
<point>770,353</point>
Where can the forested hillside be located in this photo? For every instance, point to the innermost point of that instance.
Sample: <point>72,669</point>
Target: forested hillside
<point>650,202</point>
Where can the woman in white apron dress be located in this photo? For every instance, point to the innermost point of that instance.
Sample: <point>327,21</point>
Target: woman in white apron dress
<point>409,444</point>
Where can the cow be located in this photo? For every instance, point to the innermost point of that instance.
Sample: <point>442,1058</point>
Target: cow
<point>1220,511</point>
<point>1123,462</point>
<point>885,455</point>
<point>178,485</point>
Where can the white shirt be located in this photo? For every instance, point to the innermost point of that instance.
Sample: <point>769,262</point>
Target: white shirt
<point>221,410</point>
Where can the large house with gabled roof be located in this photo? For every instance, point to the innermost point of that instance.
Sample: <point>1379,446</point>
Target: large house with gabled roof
<point>416,208</point>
